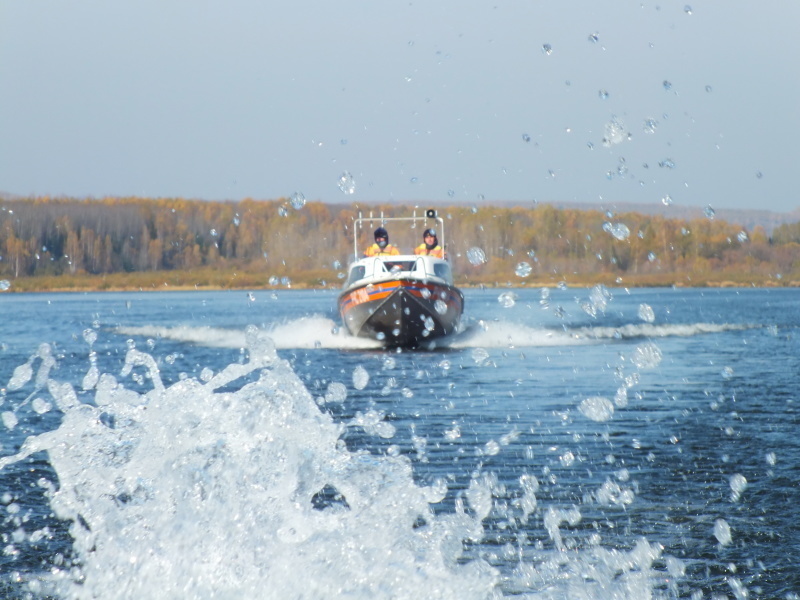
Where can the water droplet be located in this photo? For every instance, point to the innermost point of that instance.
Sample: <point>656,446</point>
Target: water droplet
<point>451,193</point>
<point>650,125</point>
<point>667,85</point>
<point>771,458</point>
<point>429,324</point>
<point>597,408</point>
<point>759,175</point>
<point>738,485</point>
<point>236,220</point>
<point>742,236</point>
<point>9,419</point>
<point>547,49</point>
<point>414,180</point>
<point>476,256</point>
<point>687,9</point>
<point>346,183</point>
<point>213,233</point>
<point>722,531</point>
<point>646,313</point>
<point>594,37</point>
<point>440,306</point>
<point>667,163</point>
<point>523,269</point>
<point>567,459</point>
<point>360,377</point>
<point>526,137</point>
<point>709,212</point>
<point>614,132</point>
<point>709,89</point>
<point>298,200</point>
<point>452,434</point>
<point>491,448</point>
<point>5,285</point>
<point>619,230</point>
<point>603,94</point>
<point>41,406</point>
<point>646,356</point>
<point>336,392</point>
<point>651,256</point>
<point>507,299</point>
<point>89,336</point>
<point>727,373</point>
<point>480,355</point>
<point>282,212</point>
<point>666,200</point>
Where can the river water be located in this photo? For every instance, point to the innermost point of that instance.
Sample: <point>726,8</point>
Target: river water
<point>569,443</point>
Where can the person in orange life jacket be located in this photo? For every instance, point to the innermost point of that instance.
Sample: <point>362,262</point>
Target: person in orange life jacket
<point>431,246</point>
<point>381,247</point>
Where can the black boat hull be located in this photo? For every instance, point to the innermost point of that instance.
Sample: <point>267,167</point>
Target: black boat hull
<point>405,313</point>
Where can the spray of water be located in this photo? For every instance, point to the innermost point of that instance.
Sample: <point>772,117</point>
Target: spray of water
<point>237,485</point>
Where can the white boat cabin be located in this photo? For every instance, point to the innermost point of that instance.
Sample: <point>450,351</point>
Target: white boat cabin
<point>408,266</point>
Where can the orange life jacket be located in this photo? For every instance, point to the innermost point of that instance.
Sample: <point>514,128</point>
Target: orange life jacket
<point>436,251</point>
<point>376,250</point>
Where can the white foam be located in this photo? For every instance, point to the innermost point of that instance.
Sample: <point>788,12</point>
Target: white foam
<point>187,491</point>
<point>504,334</point>
<point>307,332</point>
<point>647,330</point>
<point>316,331</point>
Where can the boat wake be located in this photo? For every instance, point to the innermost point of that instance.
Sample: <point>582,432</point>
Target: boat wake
<point>313,331</point>
<point>317,331</point>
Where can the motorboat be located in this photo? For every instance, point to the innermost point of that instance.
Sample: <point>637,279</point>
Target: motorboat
<point>403,300</point>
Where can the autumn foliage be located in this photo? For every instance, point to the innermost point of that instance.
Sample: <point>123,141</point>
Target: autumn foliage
<point>187,241</point>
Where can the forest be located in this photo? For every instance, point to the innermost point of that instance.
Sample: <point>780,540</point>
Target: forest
<point>130,243</point>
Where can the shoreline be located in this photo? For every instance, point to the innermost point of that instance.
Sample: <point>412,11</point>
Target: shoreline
<point>27,288</point>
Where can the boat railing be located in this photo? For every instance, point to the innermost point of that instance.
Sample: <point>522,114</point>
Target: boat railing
<point>429,217</point>
<point>420,267</point>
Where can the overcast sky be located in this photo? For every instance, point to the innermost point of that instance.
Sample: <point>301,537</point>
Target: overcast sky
<point>448,100</point>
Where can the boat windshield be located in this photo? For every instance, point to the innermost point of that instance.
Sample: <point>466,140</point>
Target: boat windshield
<point>399,265</point>
<point>356,273</point>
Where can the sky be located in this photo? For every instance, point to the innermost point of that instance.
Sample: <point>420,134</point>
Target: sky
<point>454,101</point>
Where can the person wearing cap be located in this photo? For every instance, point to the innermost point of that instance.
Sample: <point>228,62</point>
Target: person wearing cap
<point>381,247</point>
<point>430,245</point>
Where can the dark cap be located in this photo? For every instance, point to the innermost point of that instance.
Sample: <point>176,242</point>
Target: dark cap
<point>381,232</point>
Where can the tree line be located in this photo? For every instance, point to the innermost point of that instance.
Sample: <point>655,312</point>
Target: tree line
<point>45,236</point>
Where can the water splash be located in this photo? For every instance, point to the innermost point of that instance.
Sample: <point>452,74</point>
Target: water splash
<point>192,491</point>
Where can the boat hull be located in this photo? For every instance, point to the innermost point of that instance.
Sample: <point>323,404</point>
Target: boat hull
<point>402,312</point>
